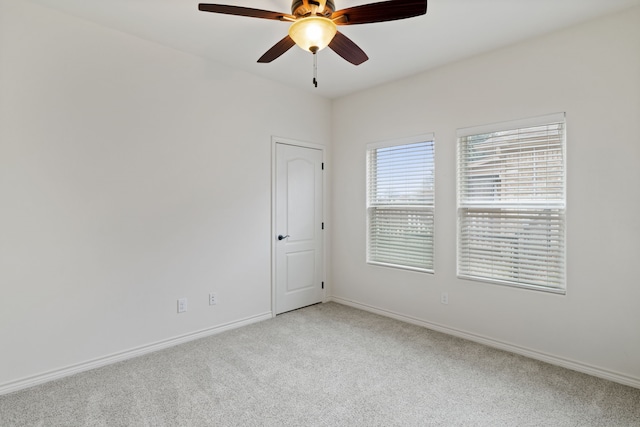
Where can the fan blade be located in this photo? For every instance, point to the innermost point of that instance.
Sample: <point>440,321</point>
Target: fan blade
<point>380,12</point>
<point>278,49</point>
<point>245,11</point>
<point>343,46</point>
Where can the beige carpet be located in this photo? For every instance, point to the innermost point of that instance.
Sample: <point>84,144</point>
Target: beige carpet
<point>326,365</point>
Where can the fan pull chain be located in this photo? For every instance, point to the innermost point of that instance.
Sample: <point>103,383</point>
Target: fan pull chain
<point>315,70</point>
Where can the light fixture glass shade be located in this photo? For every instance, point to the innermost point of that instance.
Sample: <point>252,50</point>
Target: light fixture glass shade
<point>313,32</point>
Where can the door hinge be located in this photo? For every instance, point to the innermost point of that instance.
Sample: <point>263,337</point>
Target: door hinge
<point>322,165</point>
<point>323,225</point>
<point>322,285</point>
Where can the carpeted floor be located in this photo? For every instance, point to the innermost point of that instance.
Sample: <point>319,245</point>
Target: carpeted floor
<point>326,365</point>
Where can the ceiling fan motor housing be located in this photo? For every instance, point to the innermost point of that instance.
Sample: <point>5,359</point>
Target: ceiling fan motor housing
<point>302,8</point>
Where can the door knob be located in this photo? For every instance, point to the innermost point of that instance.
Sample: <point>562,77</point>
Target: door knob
<point>281,237</point>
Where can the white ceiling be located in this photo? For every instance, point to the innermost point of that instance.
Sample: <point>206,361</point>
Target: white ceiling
<point>451,30</point>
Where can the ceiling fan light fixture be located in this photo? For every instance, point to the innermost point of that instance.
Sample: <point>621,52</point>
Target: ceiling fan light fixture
<point>313,33</point>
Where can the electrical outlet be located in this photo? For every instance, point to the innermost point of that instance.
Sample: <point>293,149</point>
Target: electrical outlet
<point>444,298</point>
<point>213,298</point>
<point>182,305</point>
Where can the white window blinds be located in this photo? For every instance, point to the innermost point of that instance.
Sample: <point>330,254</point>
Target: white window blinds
<point>400,203</point>
<point>511,203</point>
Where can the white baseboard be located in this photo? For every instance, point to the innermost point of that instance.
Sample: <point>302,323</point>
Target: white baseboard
<point>533,354</point>
<point>127,354</point>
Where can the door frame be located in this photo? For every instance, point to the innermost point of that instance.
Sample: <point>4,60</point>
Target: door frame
<point>275,140</point>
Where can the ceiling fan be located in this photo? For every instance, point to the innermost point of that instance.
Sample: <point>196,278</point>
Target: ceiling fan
<point>314,24</point>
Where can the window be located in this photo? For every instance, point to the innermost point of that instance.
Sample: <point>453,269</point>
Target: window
<point>511,203</point>
<point>400,203</point>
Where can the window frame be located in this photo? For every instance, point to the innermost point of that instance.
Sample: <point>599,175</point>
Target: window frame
<point>424,208</point>
<point>549,212</point>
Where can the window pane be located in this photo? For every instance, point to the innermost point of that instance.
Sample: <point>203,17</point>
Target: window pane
<point>401,237</point>
<point>513,168</point>
<point>402,175</point>
<point>520,247</point>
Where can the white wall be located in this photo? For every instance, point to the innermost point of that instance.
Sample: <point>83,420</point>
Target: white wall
<point>130,175</point>
<point>591,72</point>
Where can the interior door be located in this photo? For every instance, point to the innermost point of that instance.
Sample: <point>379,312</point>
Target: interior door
<point>298,227</point>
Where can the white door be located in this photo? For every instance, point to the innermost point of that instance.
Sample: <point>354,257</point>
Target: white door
<point>298,227</point>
